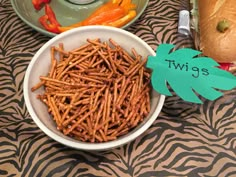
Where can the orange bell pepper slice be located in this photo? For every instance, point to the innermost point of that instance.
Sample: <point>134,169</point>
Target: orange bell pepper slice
<point>105,7</point>
<point>104,17</point>
<point>124,20</point>
<point>107,13</point>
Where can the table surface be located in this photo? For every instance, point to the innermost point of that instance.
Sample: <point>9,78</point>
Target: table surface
<point>185,140</point>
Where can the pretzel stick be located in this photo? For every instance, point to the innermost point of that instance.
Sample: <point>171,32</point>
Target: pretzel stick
<point>140,79</point>
<point>83,58</point>
<point>133,71</point>
<point>37,86</point>
<point>52,54</point>
<point>110,138</point>
<point>124,85</point>
<point>87,78</point>
<point>104,122</point>
<point>136,110</point>
<point>54,80</point>
<point>128,58</point>
<point>123,96</point>
<point>102,79</point>
<point>103,135</point>
<point>108,112</point>
<point>82,101</point>
<point>113,66</point>
<point>97,118</point>
<point>97,96</point>
<point>123,132</point>
<point>57,112</point>
<point>114,101</point>
<point>119,67</point>
<point>61,47</point>
<point>96,43</point>
<point>148,104</point>
<point>94,58</point>
<point>97,63</point>
<point>85,46</point>
<point>53,68</point>
<point>61,51</point>
<point>54,110</point>
<point>91,73</point>
<point>61,94</point>
<point>73,99</point>
<point>104,118</point>
<point>105,59</point>
<point>75,116</point>
<point>136,120</point>
<point>98,138</point>
<point>78,122</point>
<point>134,52</point>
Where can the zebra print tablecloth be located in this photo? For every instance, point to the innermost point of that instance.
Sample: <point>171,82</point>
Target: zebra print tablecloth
<point>186,140</point>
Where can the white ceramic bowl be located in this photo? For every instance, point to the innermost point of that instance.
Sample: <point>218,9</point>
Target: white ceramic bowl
<point>39,66</point>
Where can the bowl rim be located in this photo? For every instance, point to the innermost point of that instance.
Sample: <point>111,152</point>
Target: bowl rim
<point>50,34</point>
<point>82,145</point>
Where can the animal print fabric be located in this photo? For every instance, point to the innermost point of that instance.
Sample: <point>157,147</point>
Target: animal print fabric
<point>185,140</point>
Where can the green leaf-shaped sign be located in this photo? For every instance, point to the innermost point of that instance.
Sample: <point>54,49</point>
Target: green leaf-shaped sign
<point>187,74</point>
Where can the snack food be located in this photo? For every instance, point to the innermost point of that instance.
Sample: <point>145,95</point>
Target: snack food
<point>214,25</point>
<point>97,92</point>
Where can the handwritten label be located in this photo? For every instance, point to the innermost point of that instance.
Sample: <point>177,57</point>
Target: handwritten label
<point>188,74</point>
<point>172,64</point>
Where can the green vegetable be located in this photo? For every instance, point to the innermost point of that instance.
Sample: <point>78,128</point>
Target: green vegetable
<point>222,26</point>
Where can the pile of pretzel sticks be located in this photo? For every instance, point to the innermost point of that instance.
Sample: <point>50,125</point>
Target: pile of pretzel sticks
<point>97,92</point>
